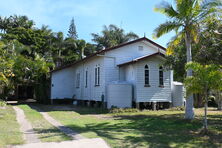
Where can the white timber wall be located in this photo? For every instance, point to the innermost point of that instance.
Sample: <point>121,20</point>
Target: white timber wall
<point>91,92</point>
<point>111,72</point>
<point>62,83</point>
<point>154,92</point>
<point>130,52</point>
<point>131,77</point>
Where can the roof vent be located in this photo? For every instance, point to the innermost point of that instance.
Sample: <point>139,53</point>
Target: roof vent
<point>140,48</point>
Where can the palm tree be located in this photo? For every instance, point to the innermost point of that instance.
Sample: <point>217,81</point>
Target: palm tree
<point>185,19</point>
<point>15,21</point>
<point>112,36</point>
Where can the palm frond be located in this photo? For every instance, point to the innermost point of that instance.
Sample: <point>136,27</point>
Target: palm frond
<point>131,36</point>
<point>166,27</point>
<point>212,7</point>
<point>167,9</point>
<point>211,3</point>
<point>175,41</point>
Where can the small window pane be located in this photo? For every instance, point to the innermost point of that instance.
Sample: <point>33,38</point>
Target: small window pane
<point>98,75</point>
<point>95,76</point>
<point>78,80</point>
<point>146,75</point>
<point>161,76</point>
<point>86,79</point>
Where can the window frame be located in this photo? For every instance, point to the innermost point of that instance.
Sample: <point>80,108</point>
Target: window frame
<point>77,80</point>
<point>97,75</point>
<point>161,77</point>
<point>86,78</point>
<point>146,76</point>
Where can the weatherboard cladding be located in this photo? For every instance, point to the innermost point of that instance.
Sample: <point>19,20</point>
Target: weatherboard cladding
<point>154,92</point>
<point>91,92</point>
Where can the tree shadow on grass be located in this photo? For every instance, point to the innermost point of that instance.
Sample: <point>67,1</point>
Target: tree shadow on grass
<point>79,109</point>
<point>169,130</point>
<point>152,131</point>
<point>51,135</point>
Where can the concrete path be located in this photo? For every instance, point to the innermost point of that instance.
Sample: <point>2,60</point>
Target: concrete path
<point>81,143</point>
<point>61,127</point>
<point>25,127</point>
<point>58,125</point>
<point>33,142</point>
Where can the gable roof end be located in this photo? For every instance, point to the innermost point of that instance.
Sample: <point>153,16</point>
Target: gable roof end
<point>142,58</point>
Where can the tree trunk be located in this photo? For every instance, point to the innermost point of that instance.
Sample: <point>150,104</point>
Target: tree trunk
<point>189,112</point>
<point>219,105</point>
<point>205,112</point>
<point>219,102</point>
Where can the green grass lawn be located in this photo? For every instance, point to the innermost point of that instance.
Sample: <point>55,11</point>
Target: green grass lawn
<point>45,131</point>
<point>142,129</point>
<point>9,128</point>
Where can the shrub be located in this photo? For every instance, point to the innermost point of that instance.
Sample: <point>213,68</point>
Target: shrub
<point>2,103</point>
<point>123,110</point>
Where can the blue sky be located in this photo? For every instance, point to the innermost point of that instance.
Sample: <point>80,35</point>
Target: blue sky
<point>90,15</point>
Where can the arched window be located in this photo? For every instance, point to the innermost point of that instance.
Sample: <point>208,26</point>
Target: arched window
<point>161,76</point>
<point>146,76</point>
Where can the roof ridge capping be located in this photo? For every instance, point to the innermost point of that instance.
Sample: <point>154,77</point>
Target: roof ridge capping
<point>133,41</point>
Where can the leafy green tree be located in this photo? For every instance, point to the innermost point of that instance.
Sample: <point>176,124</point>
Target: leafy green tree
<point>75,50</point>
<point>177,62</point>
<point>69,54</point>
<point>6,71</point>
<point>30,50</point>
<point>15,21</point>
<point>81,44</point>
<point>57,47</point>
<point>206,78</point>
<point>209,48</point>
<point>185,20</point>
<point>89,49</point>
<point>112,36</point>
<point>36,39</point>
<point>72,33</point>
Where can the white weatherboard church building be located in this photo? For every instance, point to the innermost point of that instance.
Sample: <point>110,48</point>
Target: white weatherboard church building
<point>127,75</point>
